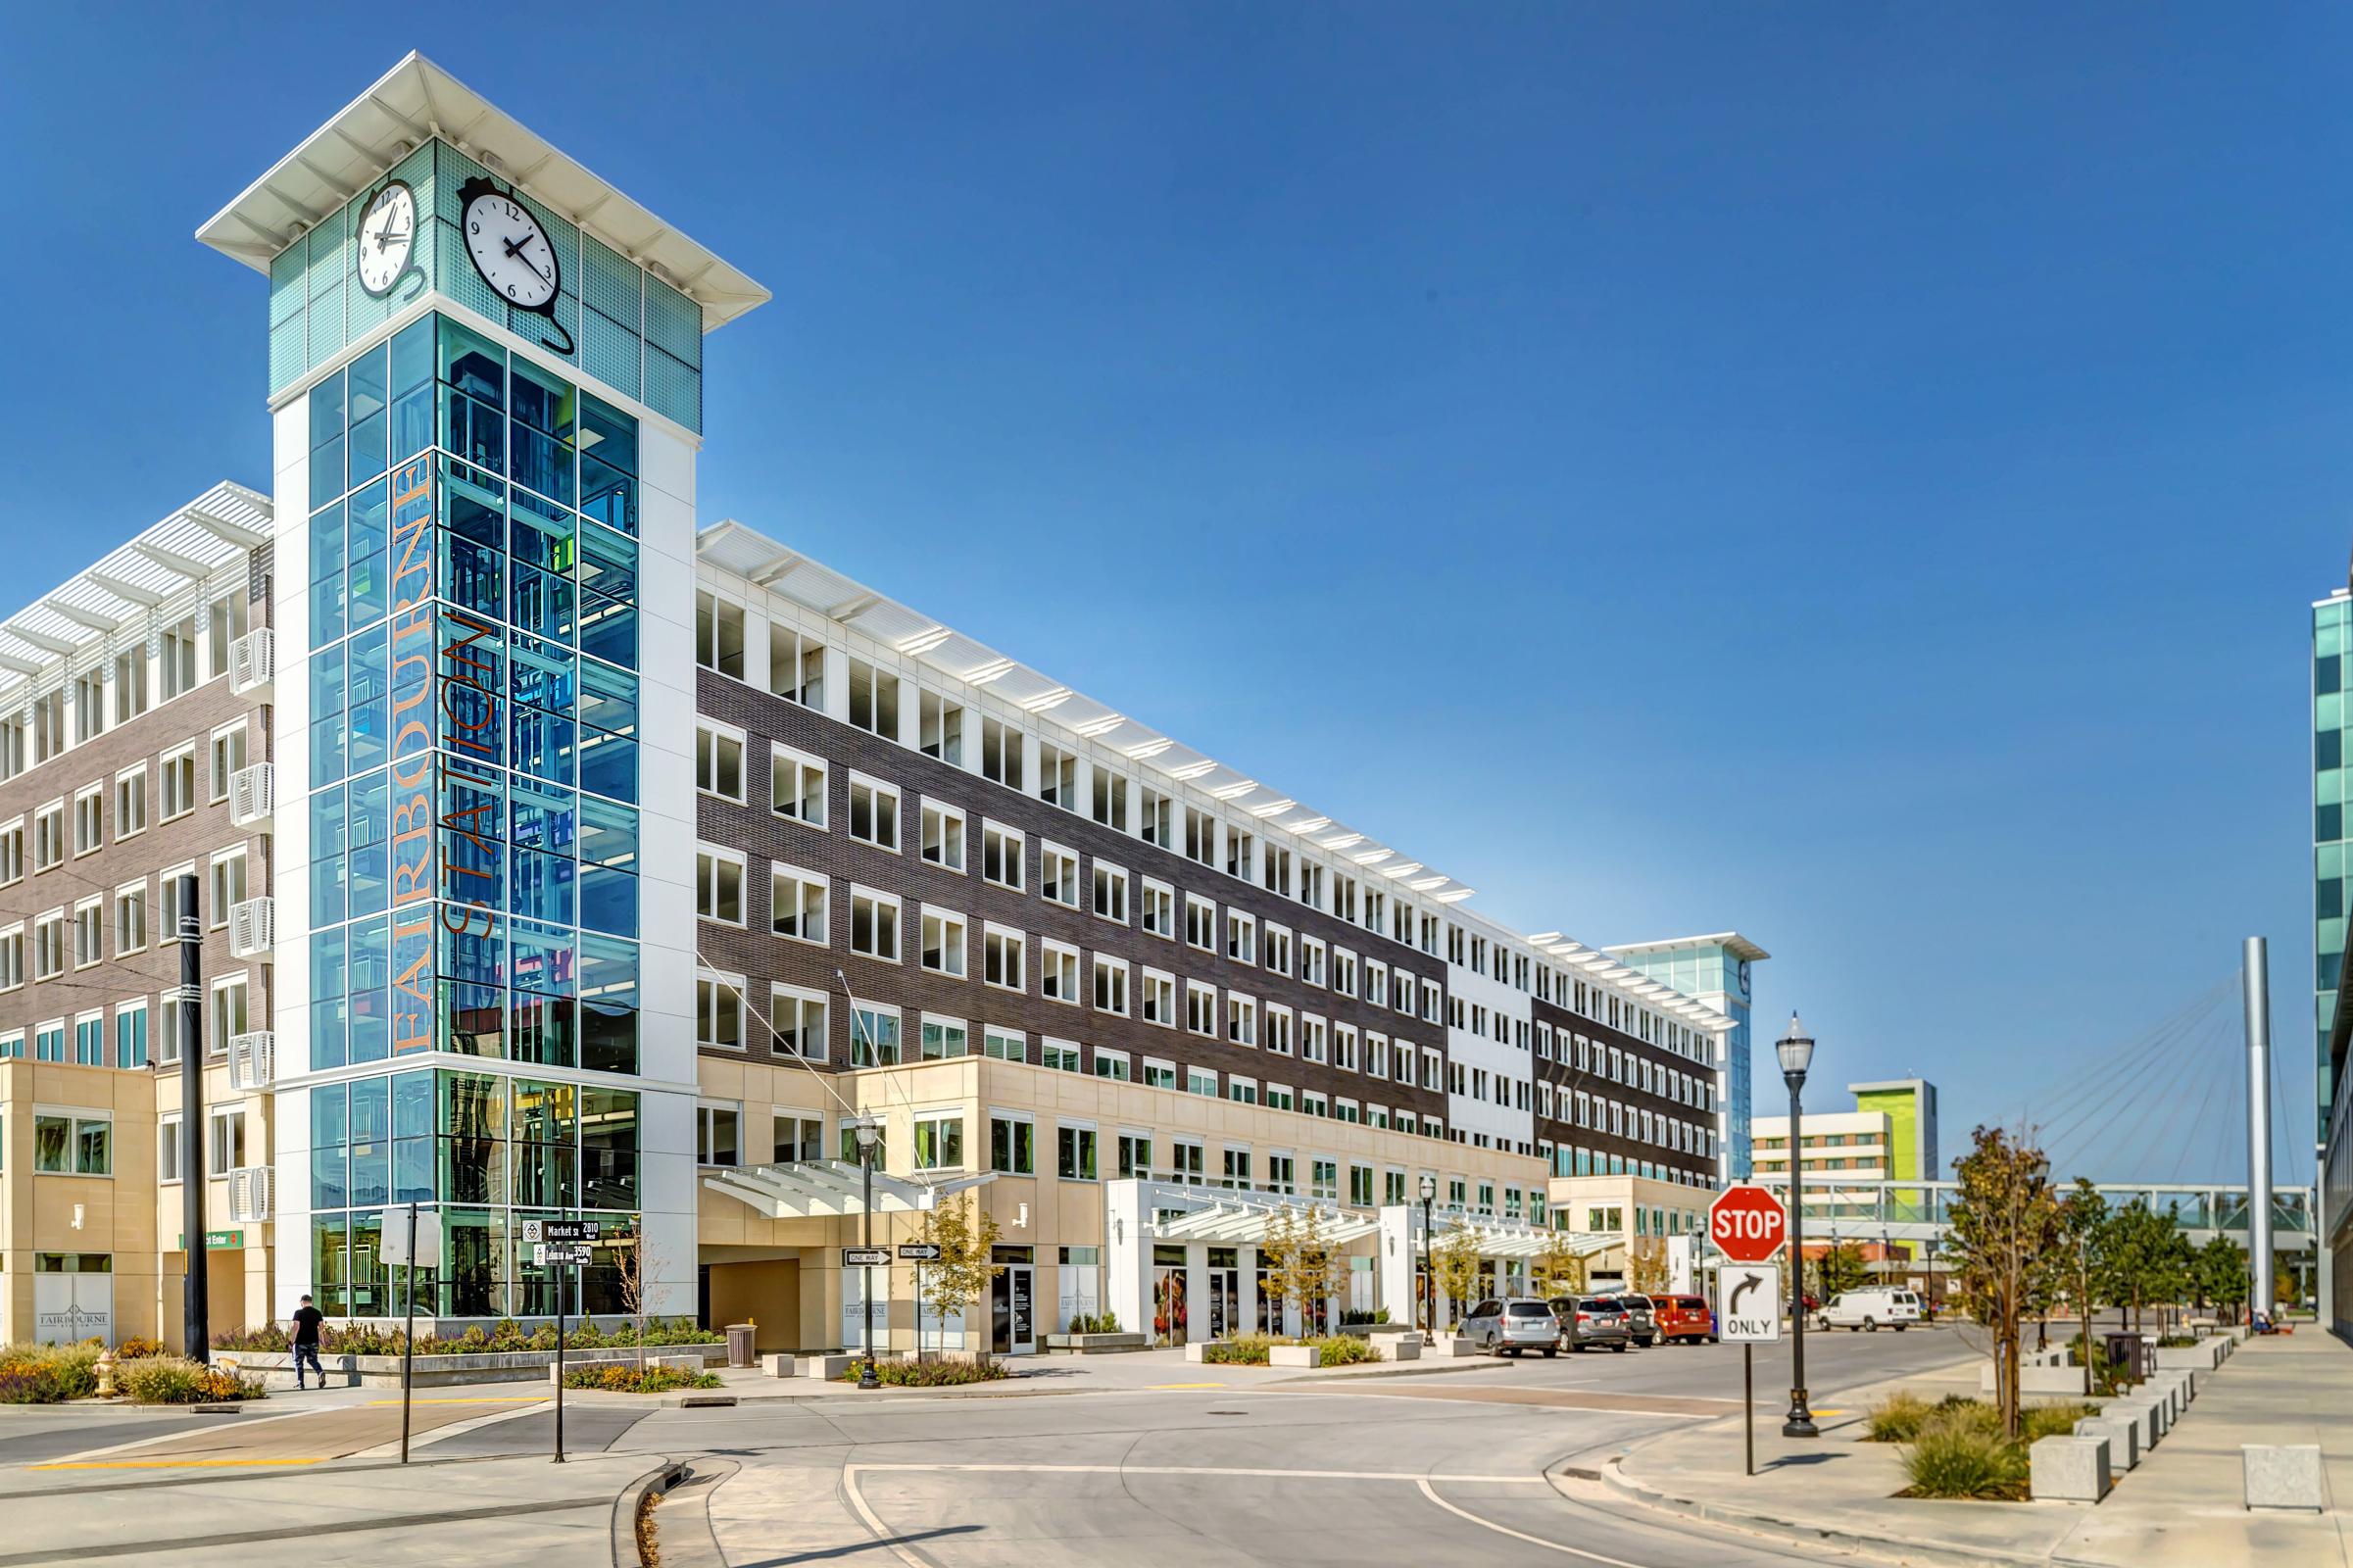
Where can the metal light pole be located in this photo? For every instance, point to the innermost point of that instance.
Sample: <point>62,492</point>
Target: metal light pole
<point>1429,1289</point>
<point>867,1133</point>
<point>196,1326</point>
<point>1796,1052</point>
<point>2255,972</point>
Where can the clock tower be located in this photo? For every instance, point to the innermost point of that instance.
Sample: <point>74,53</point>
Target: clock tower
<point>486,388</point>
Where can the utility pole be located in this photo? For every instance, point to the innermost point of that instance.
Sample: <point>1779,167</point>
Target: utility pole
<point>196,1325</point>
<point>2255,971</point>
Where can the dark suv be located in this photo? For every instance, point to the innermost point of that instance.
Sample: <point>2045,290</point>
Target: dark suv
<point>1592,1320</point>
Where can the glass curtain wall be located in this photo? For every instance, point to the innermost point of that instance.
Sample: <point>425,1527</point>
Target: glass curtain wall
<point>472,799</point>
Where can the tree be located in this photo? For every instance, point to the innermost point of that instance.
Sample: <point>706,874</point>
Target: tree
<point>1299,1263</point>
<point>1455,1263</point>
<point>1647,1265</point>
<point>2004,1227</point>
<point>1840,1267</point>
<point>2222,1273</point>
<point>966,1237</point>
<point>635,1262</point>
<point>1557,1270</point>
<point>2081,1215</point>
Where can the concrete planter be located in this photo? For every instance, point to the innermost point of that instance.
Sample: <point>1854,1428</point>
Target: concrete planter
<point>1455,1346</point>
<point>2037,1382</point>
<point>778,1364</point>
<point>2283,1477</point>
<point>825,1368</point>
<point>1095,1343</point>
<point>2186,1357</point>
<point>2069,1469</point>
<point>1400,1346</point>
<point>2121,1435</point>
<point>1295,1355</point>
<point>276,1368</point>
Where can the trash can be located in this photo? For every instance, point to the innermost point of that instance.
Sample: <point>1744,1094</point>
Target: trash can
<point>739,1344</point>
<point>2126,1354</point>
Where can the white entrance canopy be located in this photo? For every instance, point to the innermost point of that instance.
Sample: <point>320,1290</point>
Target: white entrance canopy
<point>1245,1217</point>
<point>820,1188</point>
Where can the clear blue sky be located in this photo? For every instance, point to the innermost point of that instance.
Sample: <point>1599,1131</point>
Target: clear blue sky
<point>1849,474</point>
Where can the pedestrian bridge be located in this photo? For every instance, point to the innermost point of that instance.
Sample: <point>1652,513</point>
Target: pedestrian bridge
<point>1917,1211</point>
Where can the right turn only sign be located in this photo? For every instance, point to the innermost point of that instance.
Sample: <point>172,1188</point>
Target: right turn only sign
<point>1748,1304</point>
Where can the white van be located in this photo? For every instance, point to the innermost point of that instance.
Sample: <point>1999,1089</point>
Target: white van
<point>1855,1310</point>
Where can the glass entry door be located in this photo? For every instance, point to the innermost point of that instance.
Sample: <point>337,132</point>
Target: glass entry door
<point>1011,1307</point>
<point>1225,1293</point>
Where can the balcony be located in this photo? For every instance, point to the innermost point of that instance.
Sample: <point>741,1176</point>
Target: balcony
<point>253,1062</point>
<point>253,662</point>
<point>253,795</point>
<point>253,928</point>
<point>250,1193</point>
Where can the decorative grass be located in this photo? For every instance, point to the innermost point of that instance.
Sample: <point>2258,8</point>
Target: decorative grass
<point>625,1377</point>
<point>177,1379</point>
<point>931,1374</point>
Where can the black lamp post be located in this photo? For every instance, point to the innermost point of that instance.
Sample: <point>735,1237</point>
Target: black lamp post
<point>867,1133</point>
<point>1796,1052</point>
<point>1429,1291</point>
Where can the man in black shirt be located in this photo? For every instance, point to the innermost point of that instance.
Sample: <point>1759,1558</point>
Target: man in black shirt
<point>307,1319</point>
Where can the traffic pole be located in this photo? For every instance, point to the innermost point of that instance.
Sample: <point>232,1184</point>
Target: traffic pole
<point>560,1363</point>
<point>1749,1400</point>
<point>409,1335</point>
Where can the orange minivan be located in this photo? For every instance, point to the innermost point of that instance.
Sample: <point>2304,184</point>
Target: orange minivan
<point>1683,1317</point>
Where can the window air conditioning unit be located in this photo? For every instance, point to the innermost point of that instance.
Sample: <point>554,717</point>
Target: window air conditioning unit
<point>253,928</point>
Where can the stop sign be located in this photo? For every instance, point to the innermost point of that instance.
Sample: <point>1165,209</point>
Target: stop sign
<point>1748,1223</point>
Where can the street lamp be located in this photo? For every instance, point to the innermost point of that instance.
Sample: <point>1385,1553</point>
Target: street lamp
<point>1429,1290</point>
<point>1796,1052</point>
<point>867,1133</point>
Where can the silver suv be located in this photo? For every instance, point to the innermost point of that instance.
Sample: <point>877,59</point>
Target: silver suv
<point>1639,1319</point>
<point>1592,1320</point>
<point>1508,1325</point>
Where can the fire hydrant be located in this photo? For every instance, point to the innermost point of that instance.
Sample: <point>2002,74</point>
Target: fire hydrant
<point>106,1373</point>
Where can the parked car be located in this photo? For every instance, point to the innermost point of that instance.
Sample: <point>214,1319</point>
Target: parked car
<point>1641,1320</point>
<point>1683,1317</point>
<point>1592,1320</point>
<point>1866,1311</point>
<point>1509,1325</point>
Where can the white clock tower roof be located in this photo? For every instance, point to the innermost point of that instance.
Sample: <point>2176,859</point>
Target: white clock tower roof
<point>417,99</point>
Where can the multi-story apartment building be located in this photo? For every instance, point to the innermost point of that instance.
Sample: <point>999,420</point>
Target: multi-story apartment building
<point>617,868</point>
<point>2331,983</point>
<point>1716,972</point>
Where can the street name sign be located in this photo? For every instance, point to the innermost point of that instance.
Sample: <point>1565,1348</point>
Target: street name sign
<point>1748,1223</point>
<point>558,1253</point>
<point>866,1257</point>
<point>919,1251</point>
<point>1748,1304</point>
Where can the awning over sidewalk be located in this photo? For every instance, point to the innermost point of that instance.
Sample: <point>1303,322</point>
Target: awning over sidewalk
<point>818,1188</point>
<point>1245,1217</point>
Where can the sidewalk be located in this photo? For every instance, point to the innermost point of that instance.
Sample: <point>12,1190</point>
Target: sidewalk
<point>2180,1509</point>
<point>1131,1372</point>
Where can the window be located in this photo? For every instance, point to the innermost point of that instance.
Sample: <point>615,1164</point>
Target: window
<point>1312,962</point>
<point>874,924</point>
<point>130,801</point>
<point>939,728</point>
<point>1001,856</point>
<point>1000,955</point>
<point>1237,1169</point>
<point>1057,777</point>
<point>873,1037</point>
<point>873,700</point>
<point>49,945</point>
<point>1111,1065</point>
<point>1074,1149</point>
<point>1360,1187</point>
<point>1276,949</point>
<point>1241,1019</point>
<point>1012,1145</point>
<point>131,1035</point>
<point>1376,983</point>
<point>1323,1178</point>
<point>719,763</point>
<point>1200,1081</point>
<point>49,836</point>
<point>89,933</point>
<point>797,905</point>
<point>1057,874</point>
<point>49,1041</point>
<point>1185,1162</point>
<point>1059,1054</point>
<point>1201,1008</point>
<point>73,1146</point>
<point>1159,1074</point>
<point>1000,753</point>
<point>1275,869</point>
<point>719,1009</point>
<point>1315,1038</point>
<point>228,618</point>
<point>797,1138</point>
<point>228,884</point>
<point>1343,971</point>
<point>175,783</point>
<point>798,1019</point>
<point>11,958</point>
<point>225,1141</point>
<point>1201,923</point>
<point>1201,836</point>
<point>1006,1045</point>
<point>720,885</point>
<point>1057,971</point>
<point>228,757</point>
<point>938,1141</point>
<point>1159,908</point>
<point>719,636</point>
<point>1153,825</point>
<point>12,853</point>
<point>1343,1048</point>
<point>942,829</point>
<point>716,1130</point>
<point>796,786</point>
<point>942,1039</point>
<point>167,1150</point>
<point>89,820</point>
<point>943,942</point>
<point>90,1040</point>
<point>89,707</point>
<point>228,1015</point>
<point>1242,937</point>
<point>1312,884</point>
<point>1135,1155</point>
<point>1242,1091</point>
<point>1239,853</point>
<point>1111,893</point>
<point>1111,985</point>
<point>874,812</point>
<point>1277,1038</point>
<point>796,667</point>
<point>1158,998</point>
<point>1110,801</point>
<point>178,660</point>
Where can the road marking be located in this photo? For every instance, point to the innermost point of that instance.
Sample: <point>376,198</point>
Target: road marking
<point>1533,1541</point>
<point>162,1464</point>
<point>518,1399</point>
<point>1205,1470</point>
<point>1168,1386</point>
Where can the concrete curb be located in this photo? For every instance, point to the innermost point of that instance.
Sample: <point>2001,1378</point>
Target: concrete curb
<point>1398,1369</point>
<point>624,1509</point>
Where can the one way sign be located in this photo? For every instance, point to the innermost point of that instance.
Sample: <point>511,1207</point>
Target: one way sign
<point>1748,1304</point>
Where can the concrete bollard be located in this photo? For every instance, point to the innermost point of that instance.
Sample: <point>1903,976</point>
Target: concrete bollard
<point>825,1368</point>
<point>2123,1435</point>
<point>1402,1347</point>
<point>2283,1476</point>
<point>2144,1414</point>
<point>778,1364</point>
<point>2069,1469</point>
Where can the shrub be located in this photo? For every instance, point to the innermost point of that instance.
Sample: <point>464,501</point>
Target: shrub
<point>624,1377</point>
<point>931,1374</point>
<point>1343,1349</point>
<point>137,1345</point>
<point>505,1335</point>
<point>1099,1323</point>
<point>47,1374</point>
<point>1897,1418</point>
<point>2039,1421</point>
<point>1958,1454</point>
<point>1356,1317</point>
<point>1242,1349</point>
<point>177,1379</point>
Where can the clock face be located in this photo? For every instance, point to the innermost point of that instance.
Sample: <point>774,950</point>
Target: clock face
<point>387,232</point>
<point>512,251</point>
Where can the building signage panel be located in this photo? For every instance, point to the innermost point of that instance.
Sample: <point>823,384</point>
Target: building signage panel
<point>412,701</point>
